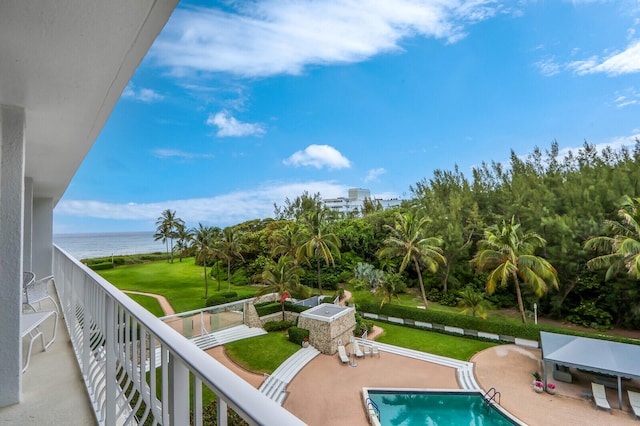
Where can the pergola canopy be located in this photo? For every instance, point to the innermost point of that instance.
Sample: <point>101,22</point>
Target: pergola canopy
<point>600,356</point>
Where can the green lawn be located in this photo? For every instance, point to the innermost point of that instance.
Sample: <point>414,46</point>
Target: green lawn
<point>182,283</point>
<point>262,354</point>
<point>151,304</point>
<point>436,343</point>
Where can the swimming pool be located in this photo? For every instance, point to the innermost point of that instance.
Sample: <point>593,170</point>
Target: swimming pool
<point>435,407</point>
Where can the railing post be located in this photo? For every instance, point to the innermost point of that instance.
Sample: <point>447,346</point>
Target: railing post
<point>86,325</point>
<point>110,361</point>
<point>179,392</point>
<point>197,401</point>
<point>221,412</point>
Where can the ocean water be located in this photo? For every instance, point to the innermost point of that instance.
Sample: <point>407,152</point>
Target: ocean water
<point>86,246</point>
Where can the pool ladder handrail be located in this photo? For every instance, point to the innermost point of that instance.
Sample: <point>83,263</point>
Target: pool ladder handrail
<point>488,399</point>
<point>373,406</point>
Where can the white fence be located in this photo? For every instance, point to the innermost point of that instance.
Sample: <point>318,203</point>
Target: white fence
<point>113,338</point>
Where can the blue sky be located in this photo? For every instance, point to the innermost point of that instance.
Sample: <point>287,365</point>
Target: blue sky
<point>240,104</point>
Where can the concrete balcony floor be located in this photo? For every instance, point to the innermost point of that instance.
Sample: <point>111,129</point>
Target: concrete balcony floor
<point>53,392</point>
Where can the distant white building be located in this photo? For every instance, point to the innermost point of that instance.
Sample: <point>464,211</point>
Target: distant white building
<point>355,201</point>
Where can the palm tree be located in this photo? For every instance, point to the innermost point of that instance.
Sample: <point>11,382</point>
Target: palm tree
<point>283,278</point>
<point>473,301</point>
<point>183,236</point>
<point>202,243</point>
<point>508,253</point>
<point>407,240</point>
<point>389,287</point>
<point>167,226</point>
<point>314,242</point>
<point>230,247</point>
<point>283,241</point>
<point>622,245</point>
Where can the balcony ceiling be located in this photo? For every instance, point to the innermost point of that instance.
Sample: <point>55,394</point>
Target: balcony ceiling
<point>67,62</point>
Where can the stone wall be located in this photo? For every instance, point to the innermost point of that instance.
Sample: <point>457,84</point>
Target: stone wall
<point>324,335</point>
<point>251,318</point>
<point>277,316</point>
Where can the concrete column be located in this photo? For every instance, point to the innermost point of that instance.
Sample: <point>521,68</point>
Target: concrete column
<point>28,225</point>
<point>12,164</point>
<point>42,241</point>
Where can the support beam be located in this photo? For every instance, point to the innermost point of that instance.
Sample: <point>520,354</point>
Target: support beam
<point>42,242</point>
<point>12,163</point>
<point>27,242</point>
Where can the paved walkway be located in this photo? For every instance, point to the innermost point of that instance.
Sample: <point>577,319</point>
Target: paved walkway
<point>164,303</point>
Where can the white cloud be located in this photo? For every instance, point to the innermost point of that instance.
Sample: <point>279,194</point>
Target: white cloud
<point>548,67</point>
<point>142,95</point>
<point>374,174</point>
<point>270,37</point>
<point>173,153</point>
<point>627,97</point>
<point>220,210</point>
<point>229,126</point>
<point>625,62</point>
<point>615,143</point>
<point>318,156</point>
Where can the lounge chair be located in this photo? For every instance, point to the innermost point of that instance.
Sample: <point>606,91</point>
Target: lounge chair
<point>600,396</point>
<point>342,353</point>
<point>356,350</point>
<point>634,401</point>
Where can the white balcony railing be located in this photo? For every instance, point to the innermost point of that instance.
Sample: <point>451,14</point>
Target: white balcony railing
<point>114,338</point>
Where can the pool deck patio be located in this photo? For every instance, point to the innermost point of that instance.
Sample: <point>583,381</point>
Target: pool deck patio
<point>326,392</point>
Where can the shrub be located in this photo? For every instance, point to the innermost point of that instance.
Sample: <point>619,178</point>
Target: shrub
<point>239,277</point>
<point>589,315</point>
<point>449,299</point>
<point>434,295</point>
<point>277,325</point>
<point>362,325</point>
<point>329,282</point>
<point>297,334</point>
<point>101,266</point>
<point>215,300</point>
<point>229,294</point>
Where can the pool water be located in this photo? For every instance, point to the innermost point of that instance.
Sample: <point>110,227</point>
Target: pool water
<point>421,407</point>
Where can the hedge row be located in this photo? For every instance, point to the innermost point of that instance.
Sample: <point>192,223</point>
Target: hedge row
<point>222,298</point>
<point>270,326</point>
<point>528,331</point>
<point>272,307</point>
<point>101,266</point>
<point>297,334</point>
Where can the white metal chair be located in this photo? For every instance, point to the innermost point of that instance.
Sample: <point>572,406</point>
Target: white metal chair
<point>375,351</point>
<point>36,291</point>
<point>30,324</point>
